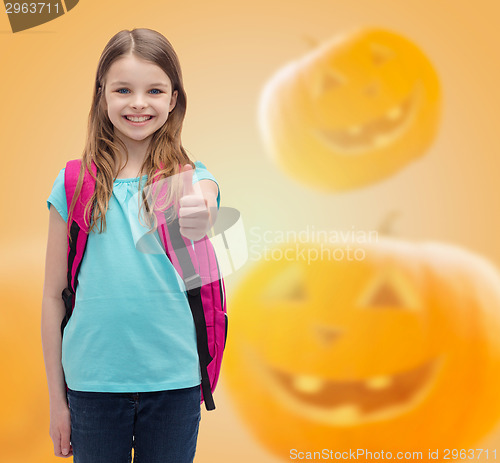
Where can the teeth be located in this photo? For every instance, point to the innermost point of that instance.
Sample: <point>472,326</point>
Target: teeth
<point>307,384</point>
<point>138,119</point>
<point>347,414</point>
<point>379,382</point>
<point>394,113</point>
<point>382,140</point>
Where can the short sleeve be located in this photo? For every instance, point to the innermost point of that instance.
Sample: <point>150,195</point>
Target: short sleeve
<point>58,196</point>
<point>201,173</point>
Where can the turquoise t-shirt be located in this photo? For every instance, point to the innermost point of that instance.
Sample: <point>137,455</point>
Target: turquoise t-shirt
<point>131,329</point>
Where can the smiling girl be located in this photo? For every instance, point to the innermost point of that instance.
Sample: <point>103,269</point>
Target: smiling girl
<point>128,355</point>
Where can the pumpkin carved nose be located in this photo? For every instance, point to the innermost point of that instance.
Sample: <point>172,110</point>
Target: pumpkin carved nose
<point>326,334</point>
<point>372,89</point>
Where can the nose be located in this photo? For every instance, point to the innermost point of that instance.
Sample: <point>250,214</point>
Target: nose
<point>139,102</point>
<point>327,335</point>
<point>372,89</point>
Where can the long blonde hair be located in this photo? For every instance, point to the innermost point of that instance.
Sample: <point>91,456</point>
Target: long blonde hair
<point>165,151</point>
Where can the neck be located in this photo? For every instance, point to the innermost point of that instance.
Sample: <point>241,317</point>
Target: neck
<point>136,150</point>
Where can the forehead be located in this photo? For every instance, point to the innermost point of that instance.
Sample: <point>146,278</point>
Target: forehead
<point>136,71</point>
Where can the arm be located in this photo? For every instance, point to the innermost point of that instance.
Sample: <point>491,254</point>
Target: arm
<point>53,311</point>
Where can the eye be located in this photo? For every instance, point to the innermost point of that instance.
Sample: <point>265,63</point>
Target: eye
<point>332,80</point>
<point>380,54</point>
<point>156,90</point>
<point>325,81</point>
<point>289,285</point>
<point>390,289</point>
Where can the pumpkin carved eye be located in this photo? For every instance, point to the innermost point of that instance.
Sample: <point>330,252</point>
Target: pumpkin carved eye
<point>390,290</point>
<point>287,286</point>
<point>332,80</point>
<point>386,295</point>
<point>380,54</point>
<point>324,81</point>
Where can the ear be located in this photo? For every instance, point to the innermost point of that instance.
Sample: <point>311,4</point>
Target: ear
<point>173,100</point>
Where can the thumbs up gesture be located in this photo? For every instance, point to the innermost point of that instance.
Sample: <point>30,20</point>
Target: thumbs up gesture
<point>194,214</point>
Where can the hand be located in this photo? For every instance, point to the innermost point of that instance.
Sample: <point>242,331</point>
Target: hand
<point>60,430</point>
<point>194,215</point>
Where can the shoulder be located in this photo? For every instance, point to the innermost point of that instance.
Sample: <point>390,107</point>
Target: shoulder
<point>59,181</point>
<point>57,196</point>
<point>201,171</point>
<point>200,165</point>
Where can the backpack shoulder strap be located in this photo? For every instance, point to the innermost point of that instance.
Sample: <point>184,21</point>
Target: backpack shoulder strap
<point>198,268</point>
<point>71,174</point>
<point>77,241</point>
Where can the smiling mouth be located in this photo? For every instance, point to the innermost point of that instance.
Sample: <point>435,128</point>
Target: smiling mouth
<point>350,403</point>
<point>138,120</point>
<point>377,133</point>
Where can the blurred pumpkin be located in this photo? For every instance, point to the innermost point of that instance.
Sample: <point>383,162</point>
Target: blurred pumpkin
<point>393,347</point>
<point>353,111</point>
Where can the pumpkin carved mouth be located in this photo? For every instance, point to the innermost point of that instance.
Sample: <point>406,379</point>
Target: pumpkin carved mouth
<point>349,403</point>
<point>377,133</point>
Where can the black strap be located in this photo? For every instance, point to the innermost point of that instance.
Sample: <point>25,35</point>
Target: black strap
<point>193,284</point>
<point>74,231</point>
<point>68,293</point>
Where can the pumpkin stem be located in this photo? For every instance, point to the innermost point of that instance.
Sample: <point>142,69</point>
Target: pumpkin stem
<point>385,228</point>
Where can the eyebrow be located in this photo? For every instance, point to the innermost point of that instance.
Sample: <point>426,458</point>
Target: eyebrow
<point>158,84</point>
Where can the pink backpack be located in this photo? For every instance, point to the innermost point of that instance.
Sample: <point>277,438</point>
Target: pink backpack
<point>197,267</point>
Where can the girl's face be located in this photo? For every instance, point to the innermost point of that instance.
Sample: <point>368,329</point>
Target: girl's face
<point>136,88</point>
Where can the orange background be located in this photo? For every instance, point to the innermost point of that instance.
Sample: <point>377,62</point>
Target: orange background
<point>227,51</point>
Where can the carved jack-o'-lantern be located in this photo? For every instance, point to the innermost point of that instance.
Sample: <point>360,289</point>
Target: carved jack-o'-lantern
<point>394,349</point>
<point>352,112</point>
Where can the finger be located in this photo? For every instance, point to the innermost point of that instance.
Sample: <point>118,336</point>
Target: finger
<point>194,223</point>
<point>195,201</point>
<point>57,445</point>
<point>187,180</point>
<point>191,213</point>
<point>65,441</point>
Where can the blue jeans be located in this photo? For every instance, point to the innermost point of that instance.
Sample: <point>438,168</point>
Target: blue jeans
<point>162,426</point>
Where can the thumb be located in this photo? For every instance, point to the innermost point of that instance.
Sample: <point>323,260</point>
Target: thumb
<point>187,180</point>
